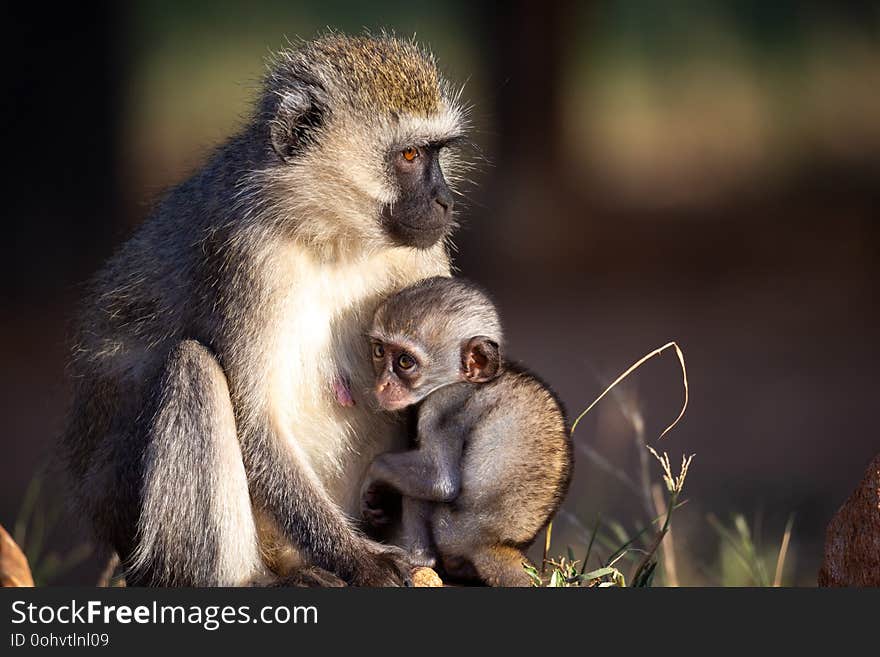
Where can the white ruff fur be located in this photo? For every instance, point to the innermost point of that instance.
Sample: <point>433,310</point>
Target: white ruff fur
<point>419,130</point>
<point>320,334</point>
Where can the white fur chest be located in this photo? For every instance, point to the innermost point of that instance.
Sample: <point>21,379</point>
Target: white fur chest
<point>319,334</point>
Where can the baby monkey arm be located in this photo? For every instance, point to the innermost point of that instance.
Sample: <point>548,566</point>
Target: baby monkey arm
<point>431,473</point>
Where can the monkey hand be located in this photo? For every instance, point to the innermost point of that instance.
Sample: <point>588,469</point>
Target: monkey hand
<point>382,565</point>
<point>380,505</point>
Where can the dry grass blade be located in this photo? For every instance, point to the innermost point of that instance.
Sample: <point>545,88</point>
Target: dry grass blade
<point>675,485</point>
<point>106,577</point>
<point>783,550</point>
<point>631,369</point>
<point>667,549</point>
<point>547,538</point>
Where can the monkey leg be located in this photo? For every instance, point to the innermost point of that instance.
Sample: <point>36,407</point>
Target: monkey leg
<point>196,527</point>
<point>501,565</point>
<point>461,540</point>
<point>416,538</point>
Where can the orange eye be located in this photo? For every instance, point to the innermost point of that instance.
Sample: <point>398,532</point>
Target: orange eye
<point>378,350</point>
<point>410,154</point>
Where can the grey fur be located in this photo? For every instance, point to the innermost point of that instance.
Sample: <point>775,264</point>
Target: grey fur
<point>493,459</point>
<point>203,419</point>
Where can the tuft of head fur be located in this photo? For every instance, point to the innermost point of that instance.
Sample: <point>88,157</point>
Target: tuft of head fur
<point>376,74</point>
<point>438,311</point>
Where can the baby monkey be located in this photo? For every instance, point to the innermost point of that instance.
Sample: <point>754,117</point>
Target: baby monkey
<point>493,456</point>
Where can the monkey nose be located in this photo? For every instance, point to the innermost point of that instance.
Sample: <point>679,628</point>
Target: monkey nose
<point>443,198</point>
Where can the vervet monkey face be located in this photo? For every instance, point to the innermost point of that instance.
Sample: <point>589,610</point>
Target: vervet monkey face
<point>399,374</point>
<point>359,130</point>
<point>422,213</point>
<point>407,372</point>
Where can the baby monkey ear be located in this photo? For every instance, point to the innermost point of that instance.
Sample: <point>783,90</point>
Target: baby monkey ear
<point>480,359</point>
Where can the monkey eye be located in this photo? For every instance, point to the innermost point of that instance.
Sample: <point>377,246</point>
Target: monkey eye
<point>378,350</point>
<point>410,154</point>
<point>406,362</point>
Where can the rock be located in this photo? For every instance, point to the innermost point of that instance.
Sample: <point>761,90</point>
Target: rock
<point>852,541</point>
<point>426,578</point>
<point>14,569</point>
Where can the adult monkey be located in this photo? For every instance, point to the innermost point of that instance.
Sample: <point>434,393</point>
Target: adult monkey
<point>207,412</point>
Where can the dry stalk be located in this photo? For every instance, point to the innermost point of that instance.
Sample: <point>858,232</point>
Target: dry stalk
<point>783,550</point>
<point>667,549</point>
<point>630,370</point>
<point>106,577</point>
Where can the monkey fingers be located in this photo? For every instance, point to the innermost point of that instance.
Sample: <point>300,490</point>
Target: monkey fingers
<point>376,518</point>
<point>312,577</point>
<point>383,565</point>
<point>376,506</point>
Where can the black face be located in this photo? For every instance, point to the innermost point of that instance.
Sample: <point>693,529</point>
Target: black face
<point>422,214</point>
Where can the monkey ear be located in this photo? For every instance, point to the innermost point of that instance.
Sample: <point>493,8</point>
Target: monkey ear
<point>480,359</point>
<point>298,115</point>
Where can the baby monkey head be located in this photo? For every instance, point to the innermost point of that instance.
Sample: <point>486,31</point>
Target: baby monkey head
<point>429,335</point>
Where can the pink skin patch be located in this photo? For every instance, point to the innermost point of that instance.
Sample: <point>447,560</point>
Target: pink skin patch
<point>342,391</point>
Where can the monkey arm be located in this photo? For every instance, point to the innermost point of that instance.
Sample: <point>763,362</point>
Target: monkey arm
<point>415,521</point>
<point>290,492</point>
<point>431,473</point>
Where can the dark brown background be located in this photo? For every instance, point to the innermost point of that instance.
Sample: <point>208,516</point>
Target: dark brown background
<point>707,173</point>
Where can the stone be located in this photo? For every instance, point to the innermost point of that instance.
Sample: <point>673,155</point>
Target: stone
<point>852,541</point>
<point>426,578</point>
<point>14,569</point>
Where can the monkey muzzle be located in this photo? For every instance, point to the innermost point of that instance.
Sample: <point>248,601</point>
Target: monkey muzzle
<point>422,215</point>
<point>392,396</point>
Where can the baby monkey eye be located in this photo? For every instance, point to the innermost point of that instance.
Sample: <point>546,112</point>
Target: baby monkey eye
<point>410,154</point>
<point>378,350</point>
<point>406,362</point>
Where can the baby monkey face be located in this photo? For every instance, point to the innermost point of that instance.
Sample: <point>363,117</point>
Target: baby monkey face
<point>406,372</point>
<point>398,375</point>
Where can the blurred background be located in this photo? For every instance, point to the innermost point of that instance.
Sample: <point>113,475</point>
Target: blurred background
<point>706,172</point>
